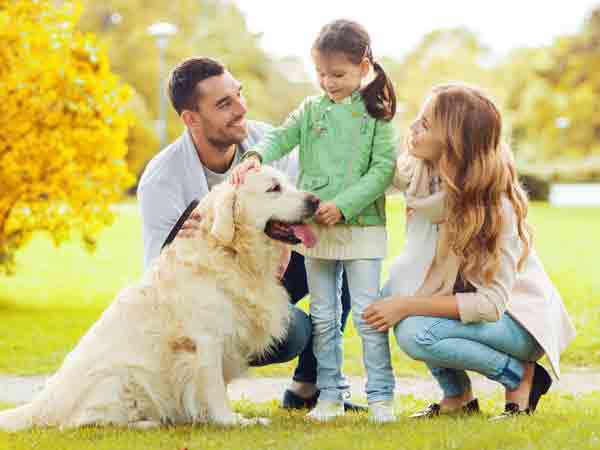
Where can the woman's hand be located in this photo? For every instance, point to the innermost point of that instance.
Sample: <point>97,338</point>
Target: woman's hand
<point>328,214</point>
<point>384,314</point>
<point>238,175</point>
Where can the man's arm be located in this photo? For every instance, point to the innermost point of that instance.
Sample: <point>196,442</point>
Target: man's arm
<point>160,207</point>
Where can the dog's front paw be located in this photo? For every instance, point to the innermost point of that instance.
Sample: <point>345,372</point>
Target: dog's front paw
<point>237,419</point>
<point>228,420</point>
<point>263,421</point>
<point>245,421</point>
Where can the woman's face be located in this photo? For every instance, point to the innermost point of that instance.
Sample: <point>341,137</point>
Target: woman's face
<point>425,140</point>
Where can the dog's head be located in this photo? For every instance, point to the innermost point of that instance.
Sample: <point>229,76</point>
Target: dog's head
<point>267,202</point>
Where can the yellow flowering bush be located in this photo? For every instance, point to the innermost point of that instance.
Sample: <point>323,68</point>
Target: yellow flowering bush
<point>63,127</point>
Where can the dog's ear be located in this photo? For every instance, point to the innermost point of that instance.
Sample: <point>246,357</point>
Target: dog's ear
<point>223,227</point>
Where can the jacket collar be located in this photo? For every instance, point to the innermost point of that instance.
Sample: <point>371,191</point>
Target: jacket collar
<point>355,97</point>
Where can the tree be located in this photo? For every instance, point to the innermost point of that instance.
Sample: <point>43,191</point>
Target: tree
<point>63,127</point>
<point>205,27</point>
<point>442,56</point>
<point>557,111</point>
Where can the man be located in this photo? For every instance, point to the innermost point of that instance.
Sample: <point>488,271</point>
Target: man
<point>210,102</point>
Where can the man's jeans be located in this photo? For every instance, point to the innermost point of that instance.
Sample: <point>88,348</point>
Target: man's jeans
<point>325,282</point>
<point>299,337</point>
<point>449,348</point>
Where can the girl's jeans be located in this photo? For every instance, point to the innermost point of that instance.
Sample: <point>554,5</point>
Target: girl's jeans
<point>324,285</point>
<point>449,347</point>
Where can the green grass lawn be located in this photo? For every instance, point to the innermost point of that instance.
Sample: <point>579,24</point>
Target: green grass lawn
<point>59,292</point>
<point>562,422</point>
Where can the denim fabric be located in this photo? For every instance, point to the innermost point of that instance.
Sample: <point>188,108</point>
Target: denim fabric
<point>299,337</point>
<point>449,347</point>
<point>325,281</point>
<point>296,284</point>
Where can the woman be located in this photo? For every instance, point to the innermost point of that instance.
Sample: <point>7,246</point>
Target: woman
<point>469,292</point>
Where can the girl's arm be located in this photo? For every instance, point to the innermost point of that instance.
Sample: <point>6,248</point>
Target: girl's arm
<point>487,304</point>
<point>282,140</point>
<point>275,144</point>
<point>374,182</point>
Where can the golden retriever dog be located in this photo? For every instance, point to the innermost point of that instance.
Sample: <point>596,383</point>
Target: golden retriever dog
<point>165,350</point>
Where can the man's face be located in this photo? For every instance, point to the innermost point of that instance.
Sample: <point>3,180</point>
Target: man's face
<point>221,115</point>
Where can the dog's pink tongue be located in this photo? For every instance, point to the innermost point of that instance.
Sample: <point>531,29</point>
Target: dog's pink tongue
<point>305,234</point>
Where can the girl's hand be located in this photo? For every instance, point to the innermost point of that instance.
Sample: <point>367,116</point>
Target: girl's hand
<point>328,214</point>
<point>238,175</point>
<point>384,314</point>
<point>190,226</point>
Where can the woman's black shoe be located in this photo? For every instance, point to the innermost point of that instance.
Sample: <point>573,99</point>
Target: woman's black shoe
<point>434,410</point>
<point>540,385</point>
<point>510,410</point>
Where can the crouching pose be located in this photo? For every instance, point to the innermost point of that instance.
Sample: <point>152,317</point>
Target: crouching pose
<point>469,291</point>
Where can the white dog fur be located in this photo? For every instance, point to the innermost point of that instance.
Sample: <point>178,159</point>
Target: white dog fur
<point>164,351</point>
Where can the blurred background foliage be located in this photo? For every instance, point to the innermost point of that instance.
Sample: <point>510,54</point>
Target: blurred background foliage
<point>206,27</point>
<point>548,95</point>
<point>63,128</point>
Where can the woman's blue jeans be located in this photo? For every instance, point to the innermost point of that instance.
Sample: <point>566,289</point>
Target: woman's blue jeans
<point>449,348</point>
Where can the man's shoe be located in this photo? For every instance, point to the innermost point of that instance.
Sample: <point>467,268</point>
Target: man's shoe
<point>353,407</point>
<point>291,400</point>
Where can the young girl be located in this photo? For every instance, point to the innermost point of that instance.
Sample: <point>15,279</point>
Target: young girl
<point>469,292</point>
<point>346,156</point>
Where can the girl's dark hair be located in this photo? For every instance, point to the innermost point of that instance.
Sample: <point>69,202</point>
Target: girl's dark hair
<point>351,39</point>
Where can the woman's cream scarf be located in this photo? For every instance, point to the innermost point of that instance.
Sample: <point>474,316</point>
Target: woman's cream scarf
<point>416,178</point>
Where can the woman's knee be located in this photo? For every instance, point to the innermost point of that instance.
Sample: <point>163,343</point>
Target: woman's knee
<point>409,336</point>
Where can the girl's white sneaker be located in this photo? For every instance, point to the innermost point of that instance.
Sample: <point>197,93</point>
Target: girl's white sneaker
<point>382,412</point>
<point>326,410</point>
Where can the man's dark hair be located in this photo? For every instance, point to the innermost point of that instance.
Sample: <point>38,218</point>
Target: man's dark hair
<point>184,78</point>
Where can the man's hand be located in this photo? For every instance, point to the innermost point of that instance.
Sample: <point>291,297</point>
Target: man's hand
<point>190,226</point>
<point>238,175</point>
<point>385,313</point>
<point>328,214</point>
<point>284,261</point>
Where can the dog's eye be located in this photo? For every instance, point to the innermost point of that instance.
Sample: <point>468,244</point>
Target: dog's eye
<point>275,188</point>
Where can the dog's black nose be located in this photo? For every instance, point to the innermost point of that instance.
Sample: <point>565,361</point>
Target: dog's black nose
<point>312,201</point>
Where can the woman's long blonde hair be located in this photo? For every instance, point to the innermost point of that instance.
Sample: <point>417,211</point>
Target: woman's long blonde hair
<point>477,171</point>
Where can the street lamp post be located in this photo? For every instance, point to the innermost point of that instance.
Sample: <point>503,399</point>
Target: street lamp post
<point>162,31</point>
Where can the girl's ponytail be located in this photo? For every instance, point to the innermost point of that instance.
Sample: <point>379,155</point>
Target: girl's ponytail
<point>379,95</point>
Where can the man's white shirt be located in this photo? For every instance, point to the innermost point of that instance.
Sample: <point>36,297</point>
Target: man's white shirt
<point>175,177</point>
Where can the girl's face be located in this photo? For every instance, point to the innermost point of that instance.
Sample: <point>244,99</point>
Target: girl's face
<point>339,77</point>
<point>425,140</point>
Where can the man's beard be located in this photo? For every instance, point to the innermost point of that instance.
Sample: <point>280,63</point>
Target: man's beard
<point>223,142</point>
<point>222,145</point>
